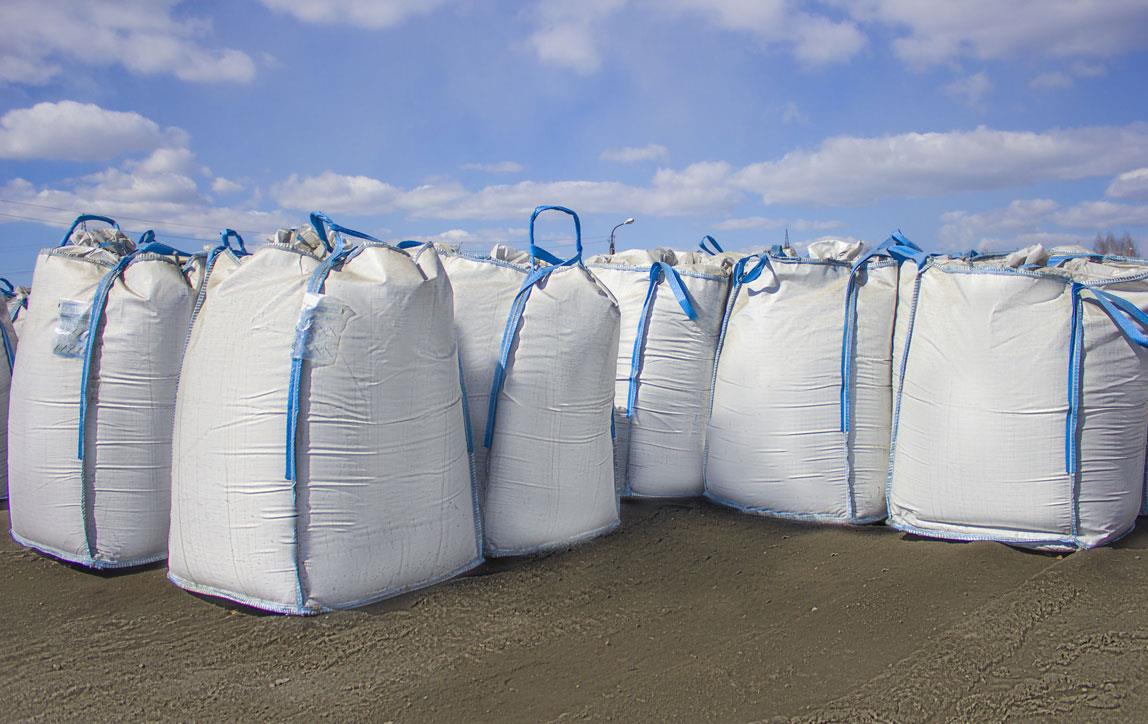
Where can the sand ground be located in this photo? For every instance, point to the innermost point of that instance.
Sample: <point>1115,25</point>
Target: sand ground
<point>689,613</point>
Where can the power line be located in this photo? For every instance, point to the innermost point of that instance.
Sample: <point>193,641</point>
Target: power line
<point>38,220</point>
<point>152,222</point>
<point>166,224</point>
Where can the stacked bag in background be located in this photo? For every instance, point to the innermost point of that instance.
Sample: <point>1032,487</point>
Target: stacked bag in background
<point>672,305</point>
<point>801,390</point>
<point>1021,407</point>
<point>92,400</point>
<point>484,290</point>
<point>548,478</point>
<point>16,301</point>
<point>8,338</point>
<point>321,445</point>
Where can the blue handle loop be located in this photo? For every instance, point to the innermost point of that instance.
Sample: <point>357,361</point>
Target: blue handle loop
<point>517,308</point>
<point>6,288</point>
<point>713,249</point>
<point>148,245</point>
<point>662,270</point>
<point>321,222</point>
<point>658,271</point>
<point>896,247</point>
<point>537,253</point>
<point>83,218</point>
<point>741,276</point>
<point>543,255</point>
<point>240,248</point>
<point>1129,319</point>
<point>410,244</point>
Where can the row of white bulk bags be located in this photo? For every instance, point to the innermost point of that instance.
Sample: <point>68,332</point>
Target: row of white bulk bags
<point>93,397</point>
<point>539,341</point>
<point>801,392</point>
<point>8,338</point>
<point>321,456</point>
<point>1021,407</point>
<point>672,305</point>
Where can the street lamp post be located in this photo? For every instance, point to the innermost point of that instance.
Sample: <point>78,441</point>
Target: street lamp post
<point>627,221</point>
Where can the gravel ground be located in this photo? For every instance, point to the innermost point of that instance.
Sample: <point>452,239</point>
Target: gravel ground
<point>689,613</point>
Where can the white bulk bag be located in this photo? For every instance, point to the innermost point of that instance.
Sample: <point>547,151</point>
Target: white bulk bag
<point>215,262</point>
<point>551,477</point>
<point>671,316</point>
<point>16,301</point>
<point>1022,404</point>
<point>208,268</point>
<point>320,446</point>
<point>92,400</point>
<point>801,403</point>
<point>1131,276</point>
<point>484,291</point>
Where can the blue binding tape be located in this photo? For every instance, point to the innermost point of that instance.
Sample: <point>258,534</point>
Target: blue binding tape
<point>84,218</point>
<point>338,252</point>
<point>146,245</point>
<point>225,238</point>
<point>713,249</point>
<point>517,308</point>
<point>1132,323</point>
<point>898,248</point>
<point>658,271</point>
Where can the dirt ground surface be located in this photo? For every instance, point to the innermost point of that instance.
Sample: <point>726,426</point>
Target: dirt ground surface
<point>689,613</point>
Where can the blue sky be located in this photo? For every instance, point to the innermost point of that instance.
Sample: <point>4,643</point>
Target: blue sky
<point>971,124</point>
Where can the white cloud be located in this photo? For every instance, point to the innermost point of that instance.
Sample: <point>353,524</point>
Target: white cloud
<point>749,223</point>
<point>1084,69</point>
<point>478,238</point>
<point>1044,221</point>
<point>701,187</point>
<point>335,193</point>
<point>813,39</point>
<point>791,113</point>
<point>971,89</point>
<point>854,170</point>
<point>373,14</point>
<point>1130,185</point>
<point>568,33</point>
<point>222,185</point>
<point>142,36</point>
<point>1098,215</point>
<point>170,203</point>
<point>499,167</point>
<point>171,161</point>
<point>163,190</point>
<point>72,131</point>
<point>963,230</point>
<point>1059,79</point>
<point>934,32</point>
<point>1054,80</point>
<point>632,154</point>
